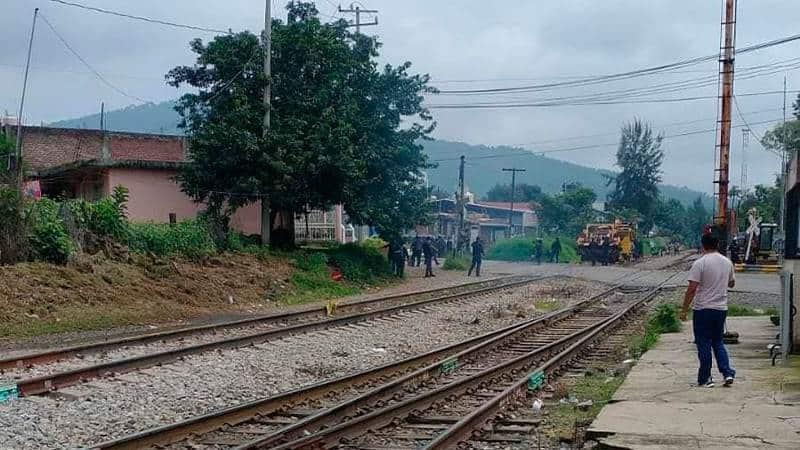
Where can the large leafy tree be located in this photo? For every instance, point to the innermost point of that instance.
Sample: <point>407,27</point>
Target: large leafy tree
<point>783,137</point>
<point>639,157</point>
<point>567,212</point>
<point>697,216</point>
<point>523,193</point>
<point>343,129</point>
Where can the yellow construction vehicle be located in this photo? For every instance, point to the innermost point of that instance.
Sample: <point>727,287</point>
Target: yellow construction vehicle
<point>621,238</point>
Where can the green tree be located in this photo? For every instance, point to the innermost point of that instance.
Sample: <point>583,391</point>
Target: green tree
<point>696,217</point>
<point>765,199</point>
<point>343,130</point>
<point>567,212</point>
<point>523,193</point>
<point>639,156</point>
<point>782,137</point>
<point>670,217</point>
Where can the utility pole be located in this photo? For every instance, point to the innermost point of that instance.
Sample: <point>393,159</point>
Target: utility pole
<point>102,116</point>
<point>513,171</point>
<point>18,162</point>
<point>782,220</point>
<point>267,38</point>
<point>461,204</point>
<point>358,11</point>
<point>727,51</point>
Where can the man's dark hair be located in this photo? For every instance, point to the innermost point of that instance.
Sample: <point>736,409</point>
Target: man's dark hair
<point>709,242</point>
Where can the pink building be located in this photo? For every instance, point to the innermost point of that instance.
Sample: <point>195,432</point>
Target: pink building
<point>88,164</point>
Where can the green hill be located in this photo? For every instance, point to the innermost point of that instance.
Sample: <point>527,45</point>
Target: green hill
<point>158,118</point>
<point>483,169</point>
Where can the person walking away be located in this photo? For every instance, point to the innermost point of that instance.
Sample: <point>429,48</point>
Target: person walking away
<point>594,251</point>
<point>605,251</point>
<point>429,253</point>
<point>538,250</point>
<point>397,252</point>
<point>441,246</point>
<point>555,250</point>
<point>709,280</point>
<point>416,251</point>
<point>477,257</point>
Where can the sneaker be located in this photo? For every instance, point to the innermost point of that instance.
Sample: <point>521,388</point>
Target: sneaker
<point>728,381</point>
<point>708,384</point>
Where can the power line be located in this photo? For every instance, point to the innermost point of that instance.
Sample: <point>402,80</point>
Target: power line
<point>86,63</point>
<point>592,146</point>
<point>141,18</point>
<point>623,75</point>
<point>545,104</point>
<point>748,127</point>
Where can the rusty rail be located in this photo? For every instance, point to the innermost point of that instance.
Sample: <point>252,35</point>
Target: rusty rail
<point>49,356</point>
<point>42,384</point>
<point>382,417</point>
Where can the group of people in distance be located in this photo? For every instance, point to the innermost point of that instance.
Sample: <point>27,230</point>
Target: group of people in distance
<point>538,250</point>
<point>425,249</point>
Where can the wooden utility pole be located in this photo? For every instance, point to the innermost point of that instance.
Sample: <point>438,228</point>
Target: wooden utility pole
<point>358,11</point>
<point>513,171</point>
<point>461,204</point>
<point>18,162</point>
<point>266,225</point>
<point>727,53</point>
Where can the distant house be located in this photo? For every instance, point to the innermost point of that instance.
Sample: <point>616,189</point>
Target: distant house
<point>88,164</point>
<point>490,220</point>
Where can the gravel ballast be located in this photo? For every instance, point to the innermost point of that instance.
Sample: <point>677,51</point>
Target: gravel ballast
<point>109,408</point>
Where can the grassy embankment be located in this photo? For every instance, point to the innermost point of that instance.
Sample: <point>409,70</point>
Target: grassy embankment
<point>94,292</point>
<point>521,249</point>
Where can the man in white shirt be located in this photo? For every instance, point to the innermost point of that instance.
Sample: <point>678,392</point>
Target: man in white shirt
<point>709,280</point>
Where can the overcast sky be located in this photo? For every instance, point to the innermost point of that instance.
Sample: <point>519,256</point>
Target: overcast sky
<point>463,44</point>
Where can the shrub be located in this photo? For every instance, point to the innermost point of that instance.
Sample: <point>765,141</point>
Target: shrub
<point>360,264</point>
<point>312,280</point>
<point>665,319</point>
<point>48,236</point>
<point>456,263</point>
<point>13,226</point>
<point>108,216</point>
<point>189,238</point>
<point>374,242</point>
<point>521,249</point>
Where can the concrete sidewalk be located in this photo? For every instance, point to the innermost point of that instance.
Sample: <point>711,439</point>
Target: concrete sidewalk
<point>658,408</point>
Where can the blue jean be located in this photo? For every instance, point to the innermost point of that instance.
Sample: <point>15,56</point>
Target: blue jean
<point>709,327</point>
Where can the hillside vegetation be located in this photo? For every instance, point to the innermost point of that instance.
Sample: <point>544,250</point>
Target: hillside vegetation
<point>548,173</point>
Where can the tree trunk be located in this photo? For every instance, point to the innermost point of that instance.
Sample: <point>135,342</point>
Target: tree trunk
<point>282,229</point>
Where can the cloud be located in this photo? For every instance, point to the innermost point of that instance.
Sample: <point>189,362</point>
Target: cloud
<point>451,40</point>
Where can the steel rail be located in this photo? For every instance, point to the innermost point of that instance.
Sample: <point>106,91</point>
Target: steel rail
<point>384,416</point>
<point>172,433</point>
<point>350,408</point>
<point>169,434</point>
<point>54,355</point>
<point>463,429</point>
<point>46,383</point>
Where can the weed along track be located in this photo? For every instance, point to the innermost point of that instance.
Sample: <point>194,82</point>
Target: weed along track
<point>311,416</point>
<point>69,366</point>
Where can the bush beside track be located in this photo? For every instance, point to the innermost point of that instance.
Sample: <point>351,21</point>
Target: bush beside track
<point>521,249</point>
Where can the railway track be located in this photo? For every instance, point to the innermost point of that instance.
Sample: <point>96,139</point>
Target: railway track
<point>148,349</point>
<point>441,412</point>
<point>272,421</point>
